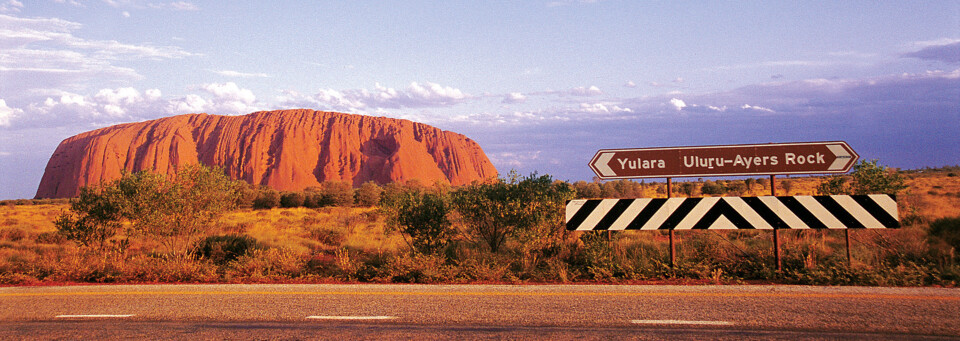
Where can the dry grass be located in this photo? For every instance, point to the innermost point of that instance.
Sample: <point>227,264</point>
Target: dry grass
<point>307,230</point>
<point>338,243</point>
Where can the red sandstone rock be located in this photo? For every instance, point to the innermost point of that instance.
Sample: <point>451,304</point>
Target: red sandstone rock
<point>286,150</point>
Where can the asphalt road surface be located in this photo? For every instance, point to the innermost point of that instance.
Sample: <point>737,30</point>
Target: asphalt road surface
<point>345,311</point>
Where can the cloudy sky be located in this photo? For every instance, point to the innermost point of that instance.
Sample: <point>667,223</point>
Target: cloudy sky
<point>541,85</point>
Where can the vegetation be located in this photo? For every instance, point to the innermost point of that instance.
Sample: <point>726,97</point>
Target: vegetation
<point>198,226</point>
<point>868,177</point>
<point>421,216</point>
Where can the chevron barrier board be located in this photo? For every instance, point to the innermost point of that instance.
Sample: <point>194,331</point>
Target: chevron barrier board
<point>762,213</point>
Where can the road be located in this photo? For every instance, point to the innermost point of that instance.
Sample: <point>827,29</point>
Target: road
<point>478,311</point>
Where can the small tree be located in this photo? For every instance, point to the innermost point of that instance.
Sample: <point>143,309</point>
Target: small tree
<point>833,185</point>
<point>267,198</point>
<point>338,193</point>
<point>94,218</point>
<point>368,194</point>
<point>292,199</point>
<point>787,186</point>
<point>422,218</point>
<point>529,209</point>
<point>587,190</point>
<point>868,177</point>
<point>184,205</point>
<point>173,209</point>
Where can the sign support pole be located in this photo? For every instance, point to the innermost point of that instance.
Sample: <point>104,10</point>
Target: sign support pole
<point>776,232</point>
<point>846,233</point>
<point>673,255</point>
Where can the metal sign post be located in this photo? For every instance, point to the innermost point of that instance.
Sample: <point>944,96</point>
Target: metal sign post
<point>776,232</point>
<point>673,257</point>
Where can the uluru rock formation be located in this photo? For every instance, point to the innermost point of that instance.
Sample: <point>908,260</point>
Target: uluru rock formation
<point>286,150</point>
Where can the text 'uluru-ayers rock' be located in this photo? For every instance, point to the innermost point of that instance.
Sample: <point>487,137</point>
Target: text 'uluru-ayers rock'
<point>285,149</point>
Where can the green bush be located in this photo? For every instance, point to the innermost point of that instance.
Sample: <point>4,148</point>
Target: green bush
<point>946,230</point>
<point>226,248</point>
<point>368,194</point>
<point>422,218</point>
<point>291,199</point>
<point>267,199</point>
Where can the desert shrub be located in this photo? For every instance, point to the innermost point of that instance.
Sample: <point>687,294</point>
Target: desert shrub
<point>338,193</point>
<point>323,264</point>
<point>153,269</point>
<point>947,231</point>
<point>595,259</point>
<point>268,265</point>
<point>315,199</point>
<point>420,268</point>
<point>267,199</point>
<point>712,188</point>
<point>368,194</point>
<point>376,267</point>
<point>869,177</point>
<point>291,199</point>
<point>17,279</point>
<point>94,217</point>
<point>226,248</point>
<point>528,210</point>
<point>50,238</point>
<point>328,236</point>
<point>422,218</point>
<point>736,187</point>
<point>586,190</point>
<point>172,209</point>
<point>13,234</point>
<point>246,194</point>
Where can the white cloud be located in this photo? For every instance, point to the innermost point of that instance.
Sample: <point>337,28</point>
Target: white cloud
<point>7,113</point>
<point>593,90</point>
<point>190,104</point>
<point>678,103</point>
<point>758,108</point>
<point>153,94</point>
<point>125,14</point>
<point>416,95</point>
<point>74,3</point>
<point>514,97</point>
<point>630,84</point>
<point>44,53</point>
<point>229,99</point>
<point>11,6</point>
<point>514,159</point>
<point>177,6</point>
<point>119,96</point>
<point>602,108</point>
<point>433,93</point>
<point>231,73</point>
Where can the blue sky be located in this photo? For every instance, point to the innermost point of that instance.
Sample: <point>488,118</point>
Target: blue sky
<point>541,85</point>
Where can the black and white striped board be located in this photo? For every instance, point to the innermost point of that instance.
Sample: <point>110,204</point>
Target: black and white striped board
<point>762,213</point>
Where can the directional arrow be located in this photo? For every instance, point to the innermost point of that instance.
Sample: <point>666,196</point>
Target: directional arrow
<point>844,160</point>
<point>601,164</point>
<point>751,159</point>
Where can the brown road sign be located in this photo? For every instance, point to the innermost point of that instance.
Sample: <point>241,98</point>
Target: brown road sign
<point>750,159</point>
